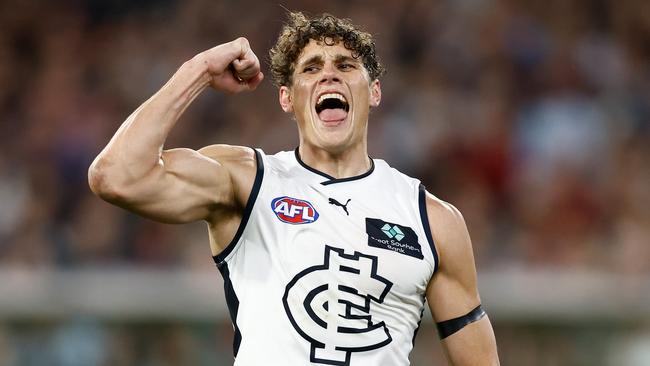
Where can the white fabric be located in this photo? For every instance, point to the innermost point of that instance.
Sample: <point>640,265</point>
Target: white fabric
<point>287,276</point>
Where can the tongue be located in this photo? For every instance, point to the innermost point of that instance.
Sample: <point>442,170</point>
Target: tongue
<point>330,115</point>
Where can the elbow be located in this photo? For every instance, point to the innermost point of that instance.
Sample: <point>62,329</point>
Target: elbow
<point>102,182</point>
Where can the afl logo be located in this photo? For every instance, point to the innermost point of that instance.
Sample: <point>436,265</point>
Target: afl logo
<point>294,211</point>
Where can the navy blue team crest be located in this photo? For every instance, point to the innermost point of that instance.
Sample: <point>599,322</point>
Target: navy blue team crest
<point>393,237</point>
<point>329,305</point>
<point>293,210</point>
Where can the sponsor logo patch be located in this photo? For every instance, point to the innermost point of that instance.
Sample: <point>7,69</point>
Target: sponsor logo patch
<point>393,237</point>
<point>293,210</point>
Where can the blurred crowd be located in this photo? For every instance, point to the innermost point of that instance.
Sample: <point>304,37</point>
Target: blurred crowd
<point>530,116</point>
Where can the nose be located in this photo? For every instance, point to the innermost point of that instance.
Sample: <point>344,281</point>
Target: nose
<point>329,74</point>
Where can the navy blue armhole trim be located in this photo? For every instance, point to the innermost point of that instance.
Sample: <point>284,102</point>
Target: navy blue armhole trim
<point>247,211</point>
<point>451,326</point>
<point>233,306</point>
<point>425,224</point>
<point>415,333</point>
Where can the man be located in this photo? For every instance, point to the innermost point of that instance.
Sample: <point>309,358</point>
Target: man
<point>327,255</point>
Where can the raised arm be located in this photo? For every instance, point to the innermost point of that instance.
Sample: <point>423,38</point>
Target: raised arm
<point>452,294</point>
<point>179,185</point>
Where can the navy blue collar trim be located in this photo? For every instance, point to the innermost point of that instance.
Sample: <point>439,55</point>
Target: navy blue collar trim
<point>330,179</point>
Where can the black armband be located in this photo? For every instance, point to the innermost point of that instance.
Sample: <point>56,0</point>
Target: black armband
<point>451,326</point>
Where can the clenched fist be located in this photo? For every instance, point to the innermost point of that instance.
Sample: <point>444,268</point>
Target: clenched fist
<point>233,66</point>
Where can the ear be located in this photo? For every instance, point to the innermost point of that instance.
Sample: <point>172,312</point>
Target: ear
<point>285,99</point>
<point>375,93</point>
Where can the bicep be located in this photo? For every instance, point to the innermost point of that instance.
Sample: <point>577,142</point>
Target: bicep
<point>452,291</point>
<point>185,186</point>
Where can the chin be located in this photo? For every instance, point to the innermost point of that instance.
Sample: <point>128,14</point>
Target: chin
<point>335,142</point>
<point>334,136</point>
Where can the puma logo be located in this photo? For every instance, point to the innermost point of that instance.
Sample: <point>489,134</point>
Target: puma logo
<point>337,203</point>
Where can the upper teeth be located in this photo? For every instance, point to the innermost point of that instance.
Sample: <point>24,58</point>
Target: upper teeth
<point>331,95</point>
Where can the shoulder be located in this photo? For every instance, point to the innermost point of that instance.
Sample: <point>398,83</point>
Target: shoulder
<point>229,154</point>
<point>449,232</point>
<point>444,215</point>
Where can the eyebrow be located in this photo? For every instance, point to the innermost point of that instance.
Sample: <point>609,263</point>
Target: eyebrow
<point>318,59</point>
<point>342,58</point>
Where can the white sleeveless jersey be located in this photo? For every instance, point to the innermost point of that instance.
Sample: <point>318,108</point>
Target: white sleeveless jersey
<point>326,271</point>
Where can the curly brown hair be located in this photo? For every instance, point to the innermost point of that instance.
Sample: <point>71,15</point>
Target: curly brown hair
<point>299,30</point>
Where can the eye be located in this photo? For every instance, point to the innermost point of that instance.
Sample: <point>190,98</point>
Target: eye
<point>310,69</point>
<point>346,66</point>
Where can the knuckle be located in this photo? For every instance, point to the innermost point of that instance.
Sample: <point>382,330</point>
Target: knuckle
<point>243,41</point>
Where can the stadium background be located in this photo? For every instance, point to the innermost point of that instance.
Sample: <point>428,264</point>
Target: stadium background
<point>531,116</point>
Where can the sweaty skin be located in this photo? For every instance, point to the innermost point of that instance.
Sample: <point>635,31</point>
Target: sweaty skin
<point>213,184</point>
<point>338,149</point>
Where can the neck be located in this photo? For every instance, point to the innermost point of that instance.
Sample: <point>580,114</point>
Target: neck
<point>348,163</point>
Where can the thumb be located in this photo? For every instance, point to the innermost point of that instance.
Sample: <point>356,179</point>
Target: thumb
<point>241,64</point>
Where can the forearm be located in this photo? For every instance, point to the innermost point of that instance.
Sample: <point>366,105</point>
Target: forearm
<point>474,345</point>
<point>136,148</point>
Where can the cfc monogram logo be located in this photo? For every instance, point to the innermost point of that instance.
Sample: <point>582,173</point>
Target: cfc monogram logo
<point>334,317</point>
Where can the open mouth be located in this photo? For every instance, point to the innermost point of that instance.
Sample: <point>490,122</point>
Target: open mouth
<point>332,107</point>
